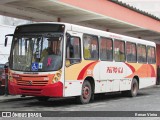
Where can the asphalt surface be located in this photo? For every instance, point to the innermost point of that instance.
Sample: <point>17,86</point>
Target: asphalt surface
<point>146,100</point>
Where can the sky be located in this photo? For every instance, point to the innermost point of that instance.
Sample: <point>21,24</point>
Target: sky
<point>150,6</point>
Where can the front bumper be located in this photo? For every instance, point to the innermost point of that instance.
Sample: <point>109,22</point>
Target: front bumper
<point>51,90</point>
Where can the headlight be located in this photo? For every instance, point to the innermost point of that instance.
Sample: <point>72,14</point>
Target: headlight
<point>57,77</point>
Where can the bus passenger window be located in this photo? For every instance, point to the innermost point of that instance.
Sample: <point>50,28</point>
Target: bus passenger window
<point>73,51</point>
<point>119,52</point>
<point>151,55</point>
<point>90,47</point>
<point>106,50</point>
<point>131,53</point>
<point>141,53</point>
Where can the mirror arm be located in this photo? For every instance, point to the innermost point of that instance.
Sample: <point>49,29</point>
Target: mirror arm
<point>9,35</point>
<point>6,39</point>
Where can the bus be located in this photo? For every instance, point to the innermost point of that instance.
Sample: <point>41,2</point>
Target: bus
<point>56,59</point>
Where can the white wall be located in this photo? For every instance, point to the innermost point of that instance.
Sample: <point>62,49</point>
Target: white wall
<point>150,6</point>
<point>5,51</point>
<point>7,26</point>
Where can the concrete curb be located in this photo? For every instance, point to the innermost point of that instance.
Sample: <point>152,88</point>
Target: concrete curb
<point>12,97</point>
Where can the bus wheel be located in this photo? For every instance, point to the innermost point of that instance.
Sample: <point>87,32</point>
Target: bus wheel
<point>42,99</point>
<point>86,93</point>
<point>134,89</point>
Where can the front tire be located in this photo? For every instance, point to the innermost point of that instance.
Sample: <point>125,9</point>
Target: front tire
<point>86,93</point>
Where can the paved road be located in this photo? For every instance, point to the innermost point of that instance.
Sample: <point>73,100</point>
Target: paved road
<point>147,100</point>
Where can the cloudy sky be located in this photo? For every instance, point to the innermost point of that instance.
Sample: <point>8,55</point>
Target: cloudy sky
<point>150,6</point>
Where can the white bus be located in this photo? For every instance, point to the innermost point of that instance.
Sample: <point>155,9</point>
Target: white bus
<point>62,60</point>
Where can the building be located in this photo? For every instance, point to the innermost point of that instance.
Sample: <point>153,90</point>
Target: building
<point>107,15</point>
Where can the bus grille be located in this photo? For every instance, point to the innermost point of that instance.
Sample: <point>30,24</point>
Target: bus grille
<point>30,91</point>
<point>32,82</point>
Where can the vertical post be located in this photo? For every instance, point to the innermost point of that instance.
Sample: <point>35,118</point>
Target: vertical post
<point>158,63</point>
<point>158,75</point>
<point>6,84</point>
<point>58,19</point>
<point>6,78</point>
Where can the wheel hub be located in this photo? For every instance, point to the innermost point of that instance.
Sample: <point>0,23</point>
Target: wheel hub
<point>85,92</point>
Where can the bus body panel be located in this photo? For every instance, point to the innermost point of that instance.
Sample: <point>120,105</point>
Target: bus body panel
<point>108,81</point>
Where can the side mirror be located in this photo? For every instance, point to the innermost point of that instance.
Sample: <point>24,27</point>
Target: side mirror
<point>6,40</point>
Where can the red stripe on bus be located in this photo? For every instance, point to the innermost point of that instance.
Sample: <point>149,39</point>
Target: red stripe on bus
<point>83,71</point>
<point>131,67</point>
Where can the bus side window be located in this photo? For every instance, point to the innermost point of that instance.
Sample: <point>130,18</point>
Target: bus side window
<point>106,50</point>
<point>73,51</point>
<point>131,53</point>
<point>119,51</point>
<point>151,58</point>
<point>90,47</point>
<point>141,53</point>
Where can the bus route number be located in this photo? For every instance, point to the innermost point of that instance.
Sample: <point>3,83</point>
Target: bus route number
<point>89,72</point>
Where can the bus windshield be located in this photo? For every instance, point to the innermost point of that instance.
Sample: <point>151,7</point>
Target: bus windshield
<point>36,53</point>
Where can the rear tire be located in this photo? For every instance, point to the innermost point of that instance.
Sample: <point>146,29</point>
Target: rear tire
<point>134,89</point>
<point>86,93</point>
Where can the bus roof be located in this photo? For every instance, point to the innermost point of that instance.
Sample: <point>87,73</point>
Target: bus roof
<point>92,31</point>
